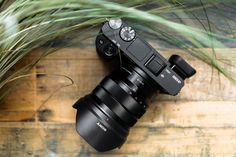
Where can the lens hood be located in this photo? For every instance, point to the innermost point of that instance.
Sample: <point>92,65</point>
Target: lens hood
<point>97,128</point>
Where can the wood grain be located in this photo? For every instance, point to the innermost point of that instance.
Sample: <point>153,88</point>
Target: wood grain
<point>43,139</point>
<point>37,118</point>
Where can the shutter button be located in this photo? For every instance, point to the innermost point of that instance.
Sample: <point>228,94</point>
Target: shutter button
<point>115,23</point>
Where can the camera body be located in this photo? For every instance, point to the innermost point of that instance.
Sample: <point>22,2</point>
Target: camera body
<point>105,116</point>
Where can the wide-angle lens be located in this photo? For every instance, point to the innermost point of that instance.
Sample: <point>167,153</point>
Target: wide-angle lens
<point>105,116</point>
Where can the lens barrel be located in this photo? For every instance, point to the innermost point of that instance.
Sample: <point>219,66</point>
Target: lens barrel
<point>105,116</point>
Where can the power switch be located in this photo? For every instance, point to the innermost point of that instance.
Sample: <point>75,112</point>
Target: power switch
<point>155,66</point>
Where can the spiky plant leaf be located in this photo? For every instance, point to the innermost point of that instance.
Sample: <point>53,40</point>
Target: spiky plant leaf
<point>28,24</point>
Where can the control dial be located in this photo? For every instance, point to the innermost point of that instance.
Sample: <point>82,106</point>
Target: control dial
<point>127,33</point>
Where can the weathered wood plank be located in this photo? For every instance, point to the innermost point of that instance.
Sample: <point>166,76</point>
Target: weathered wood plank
<point>52,140</point>
<point>191,114</point>
<point>166,114</point>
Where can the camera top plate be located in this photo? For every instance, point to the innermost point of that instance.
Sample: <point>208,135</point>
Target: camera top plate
<point>143,55</point>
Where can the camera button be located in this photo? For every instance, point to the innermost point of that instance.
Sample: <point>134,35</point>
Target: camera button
<point>155,66</point>
<point>101,42</point>
<point>115,23</point>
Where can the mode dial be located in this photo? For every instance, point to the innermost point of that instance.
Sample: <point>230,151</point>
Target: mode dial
<point>127,33</point>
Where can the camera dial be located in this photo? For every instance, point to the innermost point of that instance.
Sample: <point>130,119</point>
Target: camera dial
<point>127,33</point>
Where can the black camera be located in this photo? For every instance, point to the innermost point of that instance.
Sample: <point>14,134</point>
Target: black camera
<point>105,116</point>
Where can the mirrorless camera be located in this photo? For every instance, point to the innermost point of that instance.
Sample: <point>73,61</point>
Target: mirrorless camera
<point>105,116</point>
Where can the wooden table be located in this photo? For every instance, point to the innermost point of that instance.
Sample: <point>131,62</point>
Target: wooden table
<point>37,118</point>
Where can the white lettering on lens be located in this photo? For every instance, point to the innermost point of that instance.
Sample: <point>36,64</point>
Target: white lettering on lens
<point>176,79</point>
<point>101,126</point>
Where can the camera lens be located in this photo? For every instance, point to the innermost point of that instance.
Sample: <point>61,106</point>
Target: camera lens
<point>105,116</point>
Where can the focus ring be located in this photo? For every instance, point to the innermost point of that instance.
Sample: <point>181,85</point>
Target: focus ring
<point>114,105</point>
<point>123,98</point>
